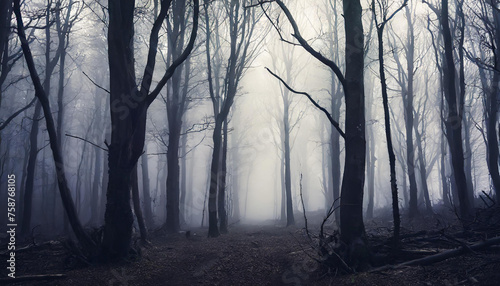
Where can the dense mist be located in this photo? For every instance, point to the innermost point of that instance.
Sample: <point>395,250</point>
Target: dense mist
<point>138,120</point>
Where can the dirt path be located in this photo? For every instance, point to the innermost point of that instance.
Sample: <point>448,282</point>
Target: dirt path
<point>251,255</point>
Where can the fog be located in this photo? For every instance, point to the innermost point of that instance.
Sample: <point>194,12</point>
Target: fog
<point>83,94</point>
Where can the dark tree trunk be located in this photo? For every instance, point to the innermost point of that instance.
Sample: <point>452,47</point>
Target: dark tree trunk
<point>422,171</point>
<point>146,191</point>
<point>221,200</point>
<point>410,148</point>
<point>183,180</point>
<point>444,178</point>
<point>105,174</point>
<point>468,160</point>
<point>98,161</point>
<point>370,165</point>
<point>454,122</point>
<point>176,103</point>
<point>290,220</point>
<point>335,158</point>
<point>173,220</point>
<point>336,102</point>
<point>387,120</point>
<point>235,179</point>
<point>125,118</point>
<point>137,205</point>
<point>213,229</point>
<point>352,230</point>
<point>30,172</point>
<point>283,189</point>
<point>221,107</point>
<point>128,115</point>
<point>96,187</point>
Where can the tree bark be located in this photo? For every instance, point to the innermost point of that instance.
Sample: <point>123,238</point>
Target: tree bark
<point>422,171</point>
<point>146,191</point>
<point>454,122</point>
<point>128,114</point>
<point>290,220</point>
<point>213,229</point>
<point>173,219</point>
<point>137,205</point>
<point>410,148</point>
<point>352,230</point>
<point>387,121</point>
<point>30,172</point>
<point>221,201</point>
<point>370,164</point>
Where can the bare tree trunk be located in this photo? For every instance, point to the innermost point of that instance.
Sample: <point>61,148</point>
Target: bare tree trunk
<point>30,172</point>
<point>290,220</point>
<point>213,229</point>
<point>336,103</point>
<point>221,201</point>
<point>129,107</point>
<point>422,171</point>
<point>183,180</point>
<point>370,165</point>
<point>137,205</point>
<point>235,178</point>
<point>461,103</point>
<point>352,229</point>
<point>105,174</point>
<point>444,178</point>
<point>173,219</point>
<point>98,161</point>
<point>387,120</point>
<point>146,191</point>
<point>283,189</point>
<point>454,122</point>
<point>410,149</point>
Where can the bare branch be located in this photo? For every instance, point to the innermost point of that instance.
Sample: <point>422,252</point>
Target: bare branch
<point>8,120</point>
<point>328,115</point>
<point>85,140</point>
<point>98,86</point>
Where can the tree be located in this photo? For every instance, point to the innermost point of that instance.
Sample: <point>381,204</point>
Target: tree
<point>443,148</point>
<point>453,122</point>
<point>352,230</point>
<point>383,6</point>
<point>336,102</point>
<point>241,27</point>
<point>84,239</point>
<point>129,103</point>
<point>50,65</point>
<point>287,120</point>
<point>177,104</point>
<point>490,66</point>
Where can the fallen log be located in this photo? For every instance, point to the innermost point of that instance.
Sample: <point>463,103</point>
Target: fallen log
<point>25,278</point>
<point>442,256</point>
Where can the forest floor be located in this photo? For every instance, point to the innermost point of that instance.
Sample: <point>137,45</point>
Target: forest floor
<point>268,254</point>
